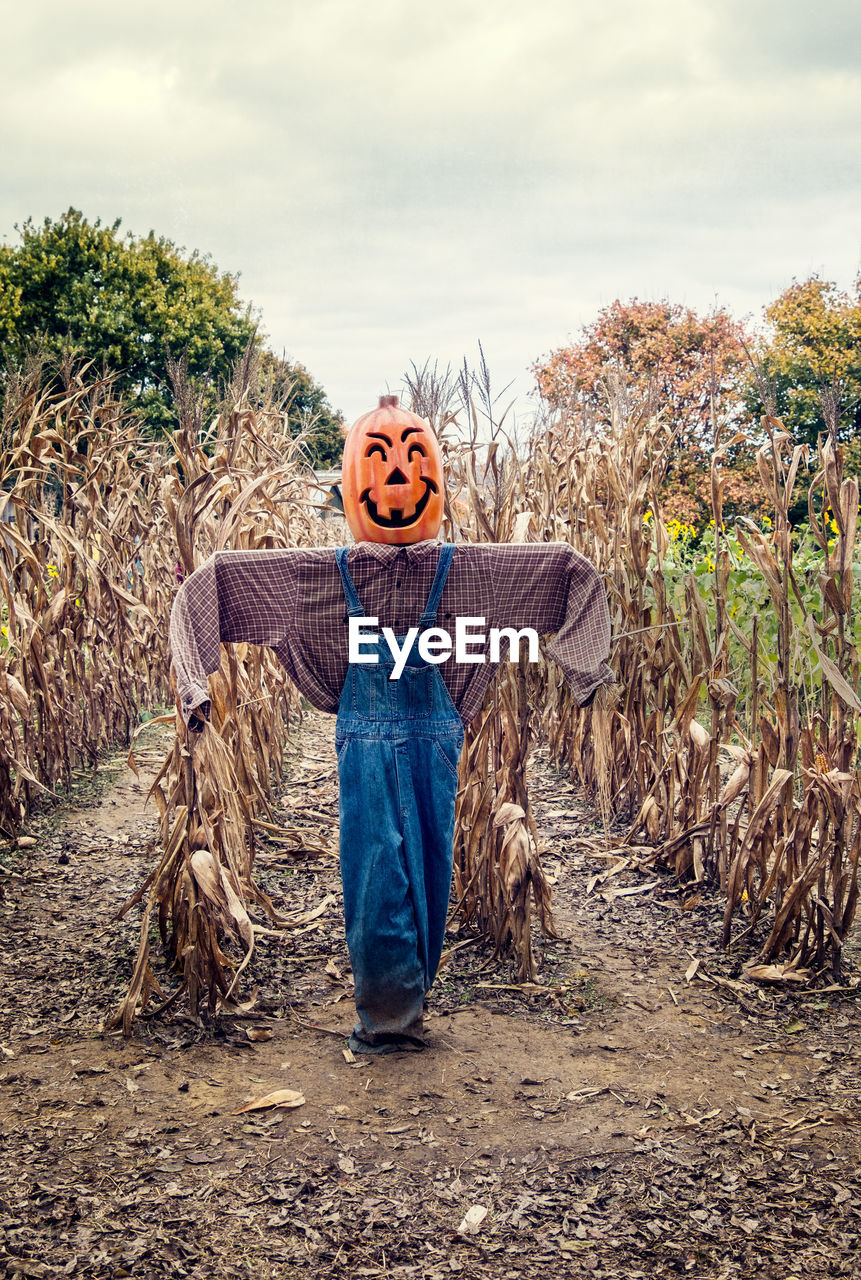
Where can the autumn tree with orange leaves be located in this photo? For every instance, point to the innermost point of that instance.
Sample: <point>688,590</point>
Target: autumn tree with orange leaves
<point>686,366</point>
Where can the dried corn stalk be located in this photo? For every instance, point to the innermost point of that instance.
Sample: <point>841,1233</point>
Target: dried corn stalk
<point>82,587</point>
<point>778,829</point>
<point>238,484</point>
<point>498,876</point>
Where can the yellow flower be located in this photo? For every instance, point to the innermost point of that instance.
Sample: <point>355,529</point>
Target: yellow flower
<point>53,571</point>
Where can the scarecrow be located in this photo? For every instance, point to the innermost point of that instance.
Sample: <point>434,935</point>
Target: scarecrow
<point>365,632</point>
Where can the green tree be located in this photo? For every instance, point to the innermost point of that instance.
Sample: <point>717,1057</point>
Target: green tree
<point>307,407</point>
<point>122,301</point>
<point>813,343</point>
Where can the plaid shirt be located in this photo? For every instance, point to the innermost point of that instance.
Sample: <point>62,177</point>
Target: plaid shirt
<point>293,601</point>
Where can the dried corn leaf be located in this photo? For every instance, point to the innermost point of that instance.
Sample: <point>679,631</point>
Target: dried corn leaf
<point>287,1098</point>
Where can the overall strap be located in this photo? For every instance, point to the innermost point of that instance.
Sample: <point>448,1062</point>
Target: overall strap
<point>354,608</point>
<point>428,618</point>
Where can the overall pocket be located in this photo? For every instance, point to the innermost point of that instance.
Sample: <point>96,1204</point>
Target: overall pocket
<point>415,692</point>
<point>364,680</point>
<point>448,750</point>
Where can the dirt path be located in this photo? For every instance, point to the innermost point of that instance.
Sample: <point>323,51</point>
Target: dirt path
<point>616,1121</point>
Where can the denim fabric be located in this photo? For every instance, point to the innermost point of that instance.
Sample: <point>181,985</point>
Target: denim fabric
<point>398,745</point>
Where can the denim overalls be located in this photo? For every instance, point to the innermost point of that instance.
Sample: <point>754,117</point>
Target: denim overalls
<point>398,745</point>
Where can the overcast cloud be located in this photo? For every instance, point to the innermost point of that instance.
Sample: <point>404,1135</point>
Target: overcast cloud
<point>396,180</point>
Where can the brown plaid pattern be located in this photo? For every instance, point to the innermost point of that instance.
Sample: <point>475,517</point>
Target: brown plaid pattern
<point>293,601</point>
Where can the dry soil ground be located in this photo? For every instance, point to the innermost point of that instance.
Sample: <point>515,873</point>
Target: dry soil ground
<point>617,1120</point>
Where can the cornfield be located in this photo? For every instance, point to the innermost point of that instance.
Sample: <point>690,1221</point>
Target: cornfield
<point>726,753</point>
<point>246,490</point>
<point>84,582</point>
<point>733,748</point>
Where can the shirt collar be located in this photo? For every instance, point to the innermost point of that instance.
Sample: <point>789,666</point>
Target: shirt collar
<point>386,552</point>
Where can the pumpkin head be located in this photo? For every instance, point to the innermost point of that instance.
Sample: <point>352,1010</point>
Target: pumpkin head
<point>392,482</point>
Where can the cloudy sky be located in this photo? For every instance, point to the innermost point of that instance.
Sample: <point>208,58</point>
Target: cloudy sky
<point>397,180</point>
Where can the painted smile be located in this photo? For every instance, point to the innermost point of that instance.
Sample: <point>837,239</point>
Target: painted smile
<point>397,520</point>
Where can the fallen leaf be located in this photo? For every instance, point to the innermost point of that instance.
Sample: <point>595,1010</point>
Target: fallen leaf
<point>472,1220</point>
<point>203,1157</point>
<point>610,895</point>
<point>776,973</point>
<point>241,1006</point>
<point>307,916</point>
<point>280,1098</point>
<point>178,1192</point>
<point>346,1164</point>
<point>258,1034</point>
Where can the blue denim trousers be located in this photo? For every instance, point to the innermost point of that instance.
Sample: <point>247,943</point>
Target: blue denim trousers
<point>398,744</point>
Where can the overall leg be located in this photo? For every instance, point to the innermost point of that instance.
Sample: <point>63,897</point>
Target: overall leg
<point>379,911</point>
<point>429,836</point>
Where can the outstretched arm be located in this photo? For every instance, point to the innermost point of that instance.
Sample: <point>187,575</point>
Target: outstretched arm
<point>553,588</point>
<point>581,646</point>
<point>234,596</point>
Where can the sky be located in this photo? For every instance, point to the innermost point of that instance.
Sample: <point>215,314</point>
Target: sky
<point>395,182</point>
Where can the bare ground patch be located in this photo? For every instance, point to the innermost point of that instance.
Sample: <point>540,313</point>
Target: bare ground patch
<point>618,1120</point>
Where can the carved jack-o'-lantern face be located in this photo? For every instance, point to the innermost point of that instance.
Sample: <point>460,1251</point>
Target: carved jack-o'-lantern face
<point>392,477</point>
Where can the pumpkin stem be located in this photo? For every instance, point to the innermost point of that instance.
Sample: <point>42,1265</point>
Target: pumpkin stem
<point>388,402</point>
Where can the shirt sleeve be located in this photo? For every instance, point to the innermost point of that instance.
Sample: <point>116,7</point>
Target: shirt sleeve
<point>195,643</point>
<point>553,588</point>
<point>235,596</point>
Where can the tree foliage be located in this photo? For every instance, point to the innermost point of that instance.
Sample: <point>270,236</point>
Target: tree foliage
<point>680,363</point>
<point>307,407</point>
<point>129,303</point>
<point>813,345</point>
<point>121,300</point>
<point>677,359</point>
